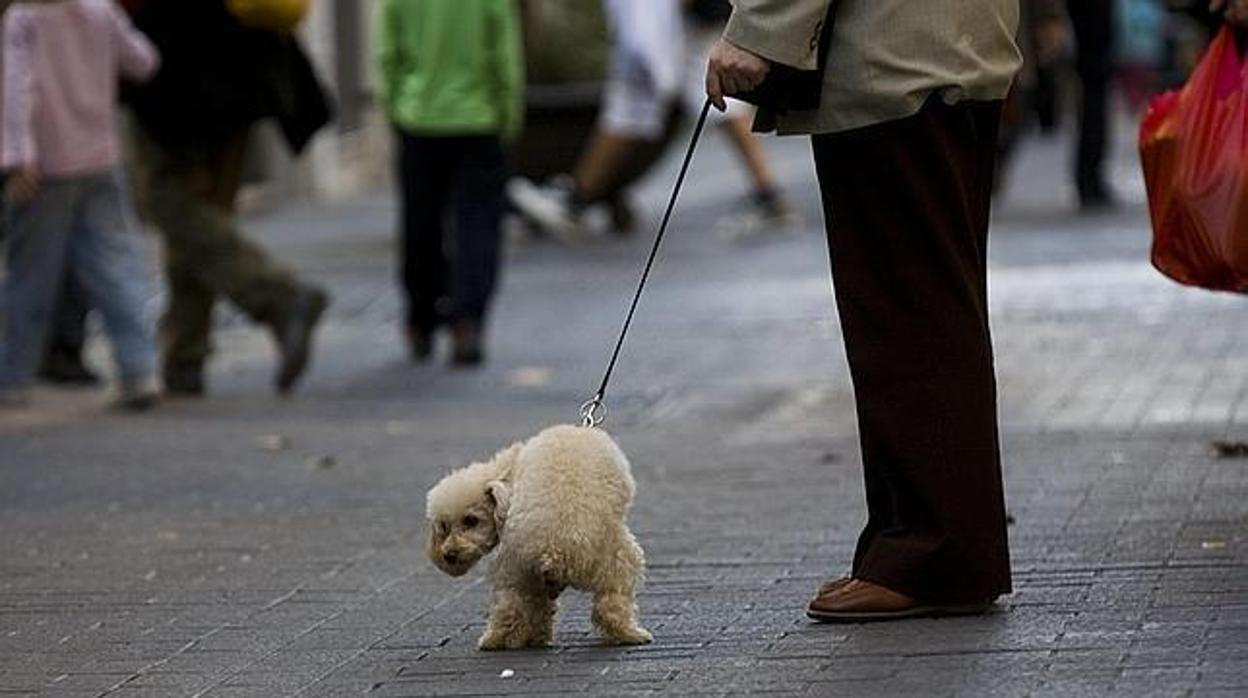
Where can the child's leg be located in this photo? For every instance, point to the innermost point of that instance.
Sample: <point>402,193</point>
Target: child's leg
<point>104,257</point>
<point>480,175</point>
<point>425,183</point>
<point>38,234</point>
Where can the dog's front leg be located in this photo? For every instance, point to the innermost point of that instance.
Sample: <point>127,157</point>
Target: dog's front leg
<point>507,627</point>
<point>519,618</point>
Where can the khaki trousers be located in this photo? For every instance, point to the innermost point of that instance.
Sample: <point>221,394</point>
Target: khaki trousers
<point>189,195</point>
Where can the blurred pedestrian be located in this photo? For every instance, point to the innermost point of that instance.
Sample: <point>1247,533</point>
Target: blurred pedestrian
<point>193,120</point>
<point>1044,37</point>
<point>68,200</point>
<point>1093,23</point>
<point>640,103</point>
<point>1140,42</point>
<point>453,104</point>
<point>766,209</point>
<point>1233,12</point>
<point>62,361</point>
<point>904,141</point>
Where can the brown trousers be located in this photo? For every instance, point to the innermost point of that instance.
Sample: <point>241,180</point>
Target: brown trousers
<point>906,205</point>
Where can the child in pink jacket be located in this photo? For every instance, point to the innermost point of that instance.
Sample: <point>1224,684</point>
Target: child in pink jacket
<point>66,195</point>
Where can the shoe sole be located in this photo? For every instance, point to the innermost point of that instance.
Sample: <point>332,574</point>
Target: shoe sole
<point>940,611</point>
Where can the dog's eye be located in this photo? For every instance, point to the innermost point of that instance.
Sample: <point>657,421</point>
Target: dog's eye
<point>470,521</point>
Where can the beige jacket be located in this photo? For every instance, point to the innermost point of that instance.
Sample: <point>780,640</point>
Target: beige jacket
<point>886,56</point>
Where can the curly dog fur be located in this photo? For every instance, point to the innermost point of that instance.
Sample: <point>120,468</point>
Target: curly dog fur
<point>554,507</point>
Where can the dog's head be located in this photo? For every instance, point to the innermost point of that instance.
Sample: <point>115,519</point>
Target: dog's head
<point>465,513</point>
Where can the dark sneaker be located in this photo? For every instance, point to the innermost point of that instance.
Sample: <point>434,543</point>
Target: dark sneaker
<point>66,368</point>
<point>294,336</point>
<point>184,380</point>
<point>419,343</point>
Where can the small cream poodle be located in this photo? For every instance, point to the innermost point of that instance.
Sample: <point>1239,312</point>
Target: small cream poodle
<point>554,506</point>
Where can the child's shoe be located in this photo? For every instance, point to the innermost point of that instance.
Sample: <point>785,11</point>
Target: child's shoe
<point>139,395</point>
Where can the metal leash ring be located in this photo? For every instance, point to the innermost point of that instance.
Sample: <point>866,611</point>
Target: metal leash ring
<point>593,413</point>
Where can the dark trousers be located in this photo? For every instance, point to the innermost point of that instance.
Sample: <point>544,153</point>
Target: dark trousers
<point>906,205</point>
<point>1093,22</point>
<point>450,184</point>
<point>69,323</point>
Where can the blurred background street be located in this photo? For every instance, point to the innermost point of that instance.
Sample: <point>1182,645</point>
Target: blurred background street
<point>251,545</point>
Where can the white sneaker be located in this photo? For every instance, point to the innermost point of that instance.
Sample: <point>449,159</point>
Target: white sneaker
<point>547,208</point>
<point>139,395</point>
<point>761,219</point>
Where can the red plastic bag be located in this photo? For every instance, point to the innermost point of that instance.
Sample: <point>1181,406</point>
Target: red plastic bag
<point>1194,148</point>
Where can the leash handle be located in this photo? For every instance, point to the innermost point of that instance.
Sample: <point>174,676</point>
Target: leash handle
<point>594,411</point>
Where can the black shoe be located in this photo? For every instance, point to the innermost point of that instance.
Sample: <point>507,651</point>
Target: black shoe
<point>66,368</point>
<point>184,380</point>
<point>419,343</point>
<point>1097,198</point>
<point>294,336</point>
<point>623,217</point>
<point>466,338</point>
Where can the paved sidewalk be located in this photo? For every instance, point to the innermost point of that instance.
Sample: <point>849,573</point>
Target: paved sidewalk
<point>246,545</point>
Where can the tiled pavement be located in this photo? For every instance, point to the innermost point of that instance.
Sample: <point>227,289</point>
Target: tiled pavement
<point>192,552</point>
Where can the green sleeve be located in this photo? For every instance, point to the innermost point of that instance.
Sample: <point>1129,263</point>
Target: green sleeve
<point>387,54</point>
<point>509,67</point>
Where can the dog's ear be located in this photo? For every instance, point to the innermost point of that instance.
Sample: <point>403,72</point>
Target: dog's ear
<point>500,497</point>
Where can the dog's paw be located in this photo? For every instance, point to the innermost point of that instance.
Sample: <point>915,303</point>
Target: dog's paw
<point>634,636</point>
<point>492,641</point>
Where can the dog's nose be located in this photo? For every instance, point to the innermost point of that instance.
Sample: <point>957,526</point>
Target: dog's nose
<point>451,557</point>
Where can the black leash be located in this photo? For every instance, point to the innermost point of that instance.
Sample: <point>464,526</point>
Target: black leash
<point>593,412</point>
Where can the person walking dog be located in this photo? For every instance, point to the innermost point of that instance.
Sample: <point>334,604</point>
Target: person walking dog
<point>904,139</point>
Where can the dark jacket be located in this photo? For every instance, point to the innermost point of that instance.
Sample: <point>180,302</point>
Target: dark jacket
<point>217,78</point>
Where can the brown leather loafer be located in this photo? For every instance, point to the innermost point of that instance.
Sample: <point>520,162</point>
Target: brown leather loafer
<point>858,601</point>
<point>832,585</point>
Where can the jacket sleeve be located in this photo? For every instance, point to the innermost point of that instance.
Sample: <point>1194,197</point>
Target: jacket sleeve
<point>17,136</point>
<point>508,60</point>
<point>388,53</point>
<point>137,57</point>
<point>782,31</point>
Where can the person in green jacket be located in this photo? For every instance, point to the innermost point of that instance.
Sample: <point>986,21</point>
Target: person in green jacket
<point>452,80</point>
